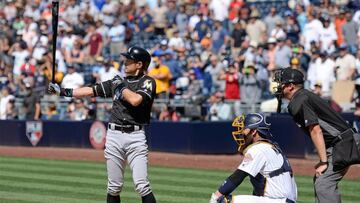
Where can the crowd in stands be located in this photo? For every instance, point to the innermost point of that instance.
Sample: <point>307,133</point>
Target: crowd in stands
<point>216,54</point>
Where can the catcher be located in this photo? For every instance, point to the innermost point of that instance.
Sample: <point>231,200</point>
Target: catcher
<point>269,170</point>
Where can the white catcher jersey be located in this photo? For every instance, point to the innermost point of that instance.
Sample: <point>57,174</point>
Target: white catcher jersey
<point>259,161</point>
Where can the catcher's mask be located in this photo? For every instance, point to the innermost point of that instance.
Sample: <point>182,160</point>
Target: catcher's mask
<point>238,134</point>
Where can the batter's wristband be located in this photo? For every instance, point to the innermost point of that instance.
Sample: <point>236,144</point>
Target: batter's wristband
<point>66,92</point>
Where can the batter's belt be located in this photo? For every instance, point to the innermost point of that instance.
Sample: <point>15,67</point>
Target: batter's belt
<point>124,128</point>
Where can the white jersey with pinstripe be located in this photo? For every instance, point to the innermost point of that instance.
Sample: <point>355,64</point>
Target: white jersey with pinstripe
<point>260,159</point>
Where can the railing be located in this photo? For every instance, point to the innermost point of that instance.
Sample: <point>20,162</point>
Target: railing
<point>187,110</point>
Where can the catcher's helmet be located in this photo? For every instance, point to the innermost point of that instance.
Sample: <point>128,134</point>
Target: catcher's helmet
<point>138,54</point>
<point>257,121</point>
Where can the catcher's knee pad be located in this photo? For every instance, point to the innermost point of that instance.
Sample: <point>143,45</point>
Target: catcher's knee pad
<point>226,199</point>
<point>143,188</point>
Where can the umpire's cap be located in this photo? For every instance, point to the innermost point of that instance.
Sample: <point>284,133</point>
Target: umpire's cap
<point>290,75</point>
<point>138,54</point>
<point>258,122</point>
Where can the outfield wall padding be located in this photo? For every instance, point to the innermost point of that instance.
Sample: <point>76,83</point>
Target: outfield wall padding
<point>179,137</point>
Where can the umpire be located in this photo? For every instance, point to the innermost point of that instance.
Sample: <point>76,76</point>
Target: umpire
<point>322,124</point>
<point>132,97</point>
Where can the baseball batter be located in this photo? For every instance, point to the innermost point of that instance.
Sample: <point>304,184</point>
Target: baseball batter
<point>269,170</point>
<point>133,97</point>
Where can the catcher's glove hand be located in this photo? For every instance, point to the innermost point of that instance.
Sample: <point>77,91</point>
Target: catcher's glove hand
<point>54,89</point>
<point>225,199</point>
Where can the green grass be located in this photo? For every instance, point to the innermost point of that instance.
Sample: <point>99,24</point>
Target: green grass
<point>39,180</point>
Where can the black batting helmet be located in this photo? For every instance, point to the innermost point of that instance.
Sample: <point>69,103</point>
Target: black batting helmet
<point>138,54</point>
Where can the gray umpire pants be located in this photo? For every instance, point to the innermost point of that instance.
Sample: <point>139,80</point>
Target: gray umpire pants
<point>131,147</point>
<point>326,185</point>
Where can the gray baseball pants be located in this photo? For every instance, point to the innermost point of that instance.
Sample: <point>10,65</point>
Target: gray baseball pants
<point>326,185</point>
<point>121,147</point>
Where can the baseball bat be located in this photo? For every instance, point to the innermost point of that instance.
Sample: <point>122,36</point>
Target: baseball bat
<point>55,15</point>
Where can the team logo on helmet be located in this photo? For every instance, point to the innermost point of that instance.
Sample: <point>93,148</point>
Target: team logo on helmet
<point>238,134</point>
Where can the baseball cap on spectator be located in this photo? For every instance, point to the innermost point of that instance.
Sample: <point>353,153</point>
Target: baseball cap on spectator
<point>164,42</point>
<point>294,61</point>
<point>158,52</point>
<point>254,14</point>
<point>318,84</point>
<point>253,44</point>
<point>205,42</point>
<point>99,59</point>
<point>271,40</point>
<point>343,47</point>
<point>296,50</point>
<point>288,13</point>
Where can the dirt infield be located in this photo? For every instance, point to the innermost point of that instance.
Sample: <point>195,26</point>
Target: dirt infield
<point>219,162</point>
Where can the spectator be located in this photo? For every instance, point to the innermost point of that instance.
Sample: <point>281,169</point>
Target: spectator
<point>231,77</point>
<point>271,54</point>
<point>220,9</point>
<point>291,28</point>
<point>278,32</point>
<point>182,20</point>
<point>249,86</point>
<point>162,76</point>
<point>234,9</point>
<point>106,72</point>
<point>238,36</point>
<point>194,89</point>
<point>256,29</point>
<point>350,30</point>
<point>176,42</point>
<point>203,27</point>
<point>272,20</point>
<point>312,30</point>
<point>159,18</point>
<point>301,17</point>
<point>28,68</point>
<point>340,20</point>
<point>5,99</point>
<point>282,54</point>
<point>116,39</point>
<point>219,110</point>
<point>144,23</point>
<point>171,13</point>
<point>345,64</point>
<point>75,55</point>
<point>219,37</point>
<point>328,37</point>
<point>324,73</point>
<point>94,43</point>
<point>214,69</point>
<point>79,112</point>
<point>20,53</point>
<point>72,79</point>
<point>31,101</point>
<point>51,112</point>
<point>175,69</point>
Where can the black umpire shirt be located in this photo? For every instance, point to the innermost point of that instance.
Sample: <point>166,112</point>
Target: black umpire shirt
<point>307,109</point>
<point>122,112</point>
